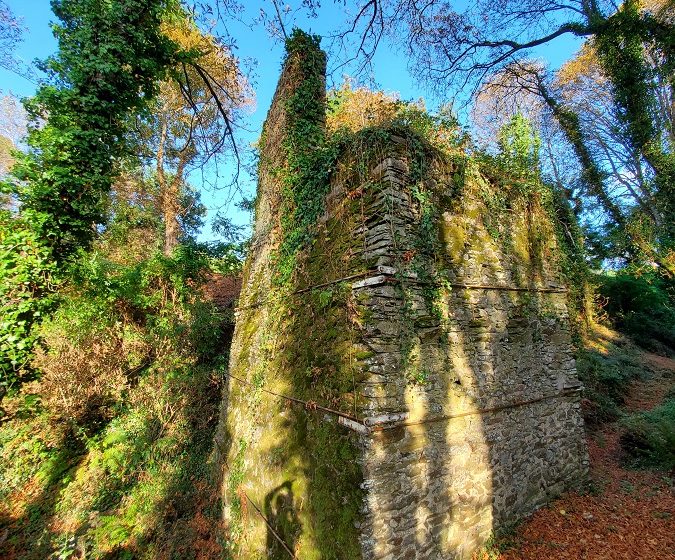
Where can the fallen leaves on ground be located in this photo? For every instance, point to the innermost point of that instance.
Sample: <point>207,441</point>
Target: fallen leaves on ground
<point>629,515</point>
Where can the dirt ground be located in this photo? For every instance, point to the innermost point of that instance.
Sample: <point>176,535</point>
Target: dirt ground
<point>629,514</point>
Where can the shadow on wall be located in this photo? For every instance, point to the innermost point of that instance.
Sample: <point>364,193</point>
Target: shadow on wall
<point>479,374</point>
<point>490,433</point>
<point>284,525</point>
<point>474,374</point>
<point>513,359</point>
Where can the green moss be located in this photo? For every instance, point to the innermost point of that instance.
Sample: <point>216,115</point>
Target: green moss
<point>315,346</point>
<point>234,479</point>
<point>454,236</point>
<point>111,492</point>
<point>337,479</point>
<point>301,465</point>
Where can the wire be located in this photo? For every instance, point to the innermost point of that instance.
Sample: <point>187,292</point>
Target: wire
<point>309,405</point>
<point>388,277</point>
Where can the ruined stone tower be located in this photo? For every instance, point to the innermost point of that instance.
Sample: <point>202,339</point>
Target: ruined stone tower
<point>407,387</point>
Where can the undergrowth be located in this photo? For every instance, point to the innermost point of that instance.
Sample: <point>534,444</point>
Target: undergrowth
<point>643,306</point>
<point>607,364</point>
<point>649,437</point>
<point>107,455</point>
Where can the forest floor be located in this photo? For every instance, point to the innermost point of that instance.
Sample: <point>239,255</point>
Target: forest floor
<point>627,514</point>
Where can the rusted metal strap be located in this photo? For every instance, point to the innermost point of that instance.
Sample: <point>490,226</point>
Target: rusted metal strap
<point>384,278</point>
<point>309,289</point>
<point>507,288</point>
<point>387,274</point>
<point>378,427</point>
<point>309,405</point>
<point>400,419</point>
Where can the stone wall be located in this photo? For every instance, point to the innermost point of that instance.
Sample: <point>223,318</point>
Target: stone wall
<point>413,389</point>
<point>291,481</point>
<point>482,391</point>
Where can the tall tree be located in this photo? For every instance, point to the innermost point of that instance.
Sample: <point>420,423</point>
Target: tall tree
<point>109,59</point>
<point>586,90</point>
<point>614,170</point>
<point>185,129</point>
<point>462,48</point>
<point>610,170</point>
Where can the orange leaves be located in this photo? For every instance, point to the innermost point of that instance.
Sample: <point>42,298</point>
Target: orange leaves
<point>358,108</point>
<point>356,193</point>
<point>630,517</point>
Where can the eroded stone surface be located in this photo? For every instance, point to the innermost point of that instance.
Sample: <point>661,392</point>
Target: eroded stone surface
<point>476,386</point>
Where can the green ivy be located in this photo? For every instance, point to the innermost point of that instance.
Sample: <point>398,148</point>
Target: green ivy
<point>111,55</point>
<point>620,45</point>
<point>311,156</point>
<point>26,287</point>
<point>305,181</point>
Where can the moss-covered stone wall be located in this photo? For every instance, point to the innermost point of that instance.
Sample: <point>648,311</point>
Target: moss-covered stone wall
<point>291,474</point>
<point>409,386</point>
<point>472,358</point>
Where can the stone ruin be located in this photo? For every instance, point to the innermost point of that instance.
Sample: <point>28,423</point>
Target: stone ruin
<point>397,399</point>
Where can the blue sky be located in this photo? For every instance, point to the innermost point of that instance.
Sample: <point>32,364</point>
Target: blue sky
<point>253,43</point>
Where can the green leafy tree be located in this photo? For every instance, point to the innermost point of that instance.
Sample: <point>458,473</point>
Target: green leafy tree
<point>110,57</point>
<point>26,276</point>
<point>520,144</point>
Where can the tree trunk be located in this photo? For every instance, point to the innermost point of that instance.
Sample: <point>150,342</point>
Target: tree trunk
<point>170,209</point>
<point>591,174</point>
<point>169,192</point>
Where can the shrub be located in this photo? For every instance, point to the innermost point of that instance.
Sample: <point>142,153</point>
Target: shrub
<point>607,364</point>
<point>143,487</point>
<point>87,359</point>
<point>606,379</point>
<point>26,277</point>
<point>642,307</point>
<point>355,109</point>
<point>114,321</point>
<point>117,464</point>
<point>649,437</point>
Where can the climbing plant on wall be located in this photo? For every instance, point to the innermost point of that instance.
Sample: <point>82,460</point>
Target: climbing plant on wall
<point>305,180</point>
<point>311,153</point>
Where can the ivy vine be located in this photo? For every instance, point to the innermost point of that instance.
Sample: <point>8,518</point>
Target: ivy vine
<point>306,179</point>
<point>110,58</point>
